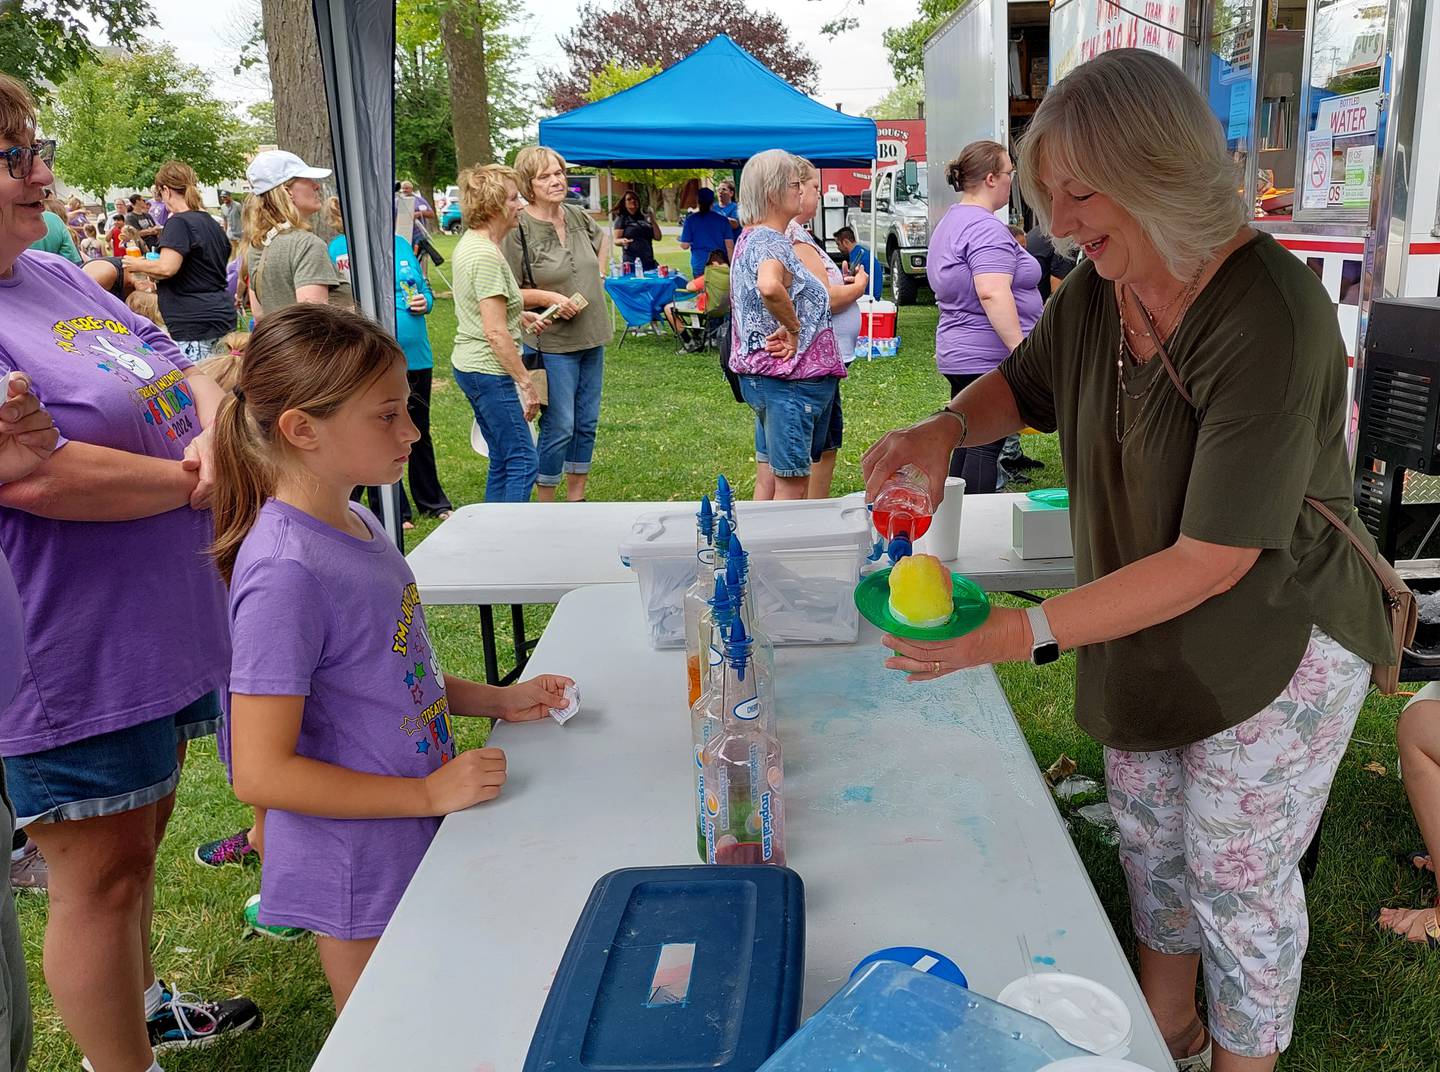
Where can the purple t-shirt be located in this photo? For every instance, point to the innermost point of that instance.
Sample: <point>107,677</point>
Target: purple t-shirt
<point>124,620</point>
<point>320,613</point>
<point>969,241</point>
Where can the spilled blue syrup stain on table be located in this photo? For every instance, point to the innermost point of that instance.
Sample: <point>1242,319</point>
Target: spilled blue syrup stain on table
<point>862,794</point>
<point>1049,961</point>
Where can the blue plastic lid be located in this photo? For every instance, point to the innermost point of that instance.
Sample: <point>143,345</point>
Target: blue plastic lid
<point>919,958</point>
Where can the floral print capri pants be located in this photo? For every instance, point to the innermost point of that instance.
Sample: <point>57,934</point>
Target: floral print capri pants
<point>1211,837</point>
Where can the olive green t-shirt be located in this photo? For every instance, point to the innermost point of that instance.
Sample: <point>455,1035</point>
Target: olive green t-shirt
<point>480,273</point>
<point>1261,354</point>
<point>566,268</point>
<point>291,260</point>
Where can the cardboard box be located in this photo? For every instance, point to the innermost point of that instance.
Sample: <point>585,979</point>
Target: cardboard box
<point>1039,531</point>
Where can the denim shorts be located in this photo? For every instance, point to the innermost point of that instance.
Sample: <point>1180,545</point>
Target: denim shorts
<point>108,774</point>
<point>792,420</point>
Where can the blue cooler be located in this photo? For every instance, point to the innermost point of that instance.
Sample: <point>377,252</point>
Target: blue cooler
<point>677,968</point>
<point>893,1018</point>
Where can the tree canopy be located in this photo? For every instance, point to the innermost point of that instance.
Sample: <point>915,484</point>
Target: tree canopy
<point>660,33</point>
<point>905,45</point>
<point>45,40</point>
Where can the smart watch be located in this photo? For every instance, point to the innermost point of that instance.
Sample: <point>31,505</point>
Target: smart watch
<point>1044,648</point>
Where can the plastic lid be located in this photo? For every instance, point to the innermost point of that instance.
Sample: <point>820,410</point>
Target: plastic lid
<point>1092,1064</point>
<point>801,525</point>
<point>1054,498</point>
<point>1082,1011</point>
<point>919,958</point>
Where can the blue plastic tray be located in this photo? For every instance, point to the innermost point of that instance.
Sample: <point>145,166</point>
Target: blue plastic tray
<point>677,968</point>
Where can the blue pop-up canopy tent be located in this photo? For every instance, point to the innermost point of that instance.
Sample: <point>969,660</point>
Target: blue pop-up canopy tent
<point>717,107</point>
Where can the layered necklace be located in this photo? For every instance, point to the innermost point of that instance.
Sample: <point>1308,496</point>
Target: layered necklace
<point>1180,302</point>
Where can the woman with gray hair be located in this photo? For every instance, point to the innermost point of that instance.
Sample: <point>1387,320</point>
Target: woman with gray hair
<point>782,345</point>
<point>1224,629</point>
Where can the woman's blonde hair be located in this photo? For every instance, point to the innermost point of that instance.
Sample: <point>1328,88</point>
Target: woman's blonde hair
<point>483,193</point>
<point>1174,175</point>
<point>261,214</point>
<point>529,163</point>
<point>147,304</point>
<point>763,182</point>
<point>182,179</point>
<point>17,110</point>
<point>309,357</point>
<point>223,366</point>
<point>334,215</point>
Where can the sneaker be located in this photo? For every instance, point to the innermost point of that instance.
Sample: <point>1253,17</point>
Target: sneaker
<point>265,930</point>
<point>30,872</point>
<point>1024,461</point>
<point>184,1021</point>
<point>235,849</point>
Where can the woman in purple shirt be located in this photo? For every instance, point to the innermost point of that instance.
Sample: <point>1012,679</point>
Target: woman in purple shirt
<point>985,285</point>
<point>126,639</point>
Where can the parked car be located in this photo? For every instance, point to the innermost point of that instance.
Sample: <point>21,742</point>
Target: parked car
<point>450,218</point>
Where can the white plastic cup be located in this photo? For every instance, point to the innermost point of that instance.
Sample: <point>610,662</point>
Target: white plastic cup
<point>943,538</point>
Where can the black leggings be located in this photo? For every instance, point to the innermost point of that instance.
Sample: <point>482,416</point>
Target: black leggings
<point>979,464</point>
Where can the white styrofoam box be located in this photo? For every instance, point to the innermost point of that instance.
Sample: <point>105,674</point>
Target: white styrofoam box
<point>805,561</point>
<point>1040,531</point>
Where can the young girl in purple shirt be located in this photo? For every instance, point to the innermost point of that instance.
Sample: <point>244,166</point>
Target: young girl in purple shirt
<point>340,714</point>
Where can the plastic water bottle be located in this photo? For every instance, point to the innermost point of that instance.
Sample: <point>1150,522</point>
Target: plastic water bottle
<point>744,772</point>
<point>706,714</point>
<point>762,651</point>
<point>902,511</point>
<point>696,594</point>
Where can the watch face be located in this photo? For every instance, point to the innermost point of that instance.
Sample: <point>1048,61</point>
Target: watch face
<point>1045,653</point>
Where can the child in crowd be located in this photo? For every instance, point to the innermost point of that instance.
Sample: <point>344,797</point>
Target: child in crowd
<point>129,235</point>
<point>339,722</point>
<point>115,235</point>
<point>147,304</point>
<point>90,246</point>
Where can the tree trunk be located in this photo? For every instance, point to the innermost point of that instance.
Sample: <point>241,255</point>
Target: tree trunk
<point>464,39</point>
<point>297,83</point>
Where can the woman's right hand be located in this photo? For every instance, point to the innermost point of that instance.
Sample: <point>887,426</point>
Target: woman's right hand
<point>27,433</point>
<point>472,777</point>
<point>529,399</point>
<point>927,445</point>
<point>568,309</point>
<point>782,343</point>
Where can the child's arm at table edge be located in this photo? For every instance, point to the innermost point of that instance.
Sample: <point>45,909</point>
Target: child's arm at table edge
<point>268,773</point>
<point>525,701</point>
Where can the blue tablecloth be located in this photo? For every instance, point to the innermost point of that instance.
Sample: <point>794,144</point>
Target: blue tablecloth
<point>640,299</point>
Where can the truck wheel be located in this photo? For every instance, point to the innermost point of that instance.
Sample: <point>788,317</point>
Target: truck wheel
<point>903,285</point>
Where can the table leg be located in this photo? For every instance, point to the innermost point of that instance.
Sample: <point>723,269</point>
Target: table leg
<point>1027,595</point>
<point>522,646</point>
<point>487,641</point>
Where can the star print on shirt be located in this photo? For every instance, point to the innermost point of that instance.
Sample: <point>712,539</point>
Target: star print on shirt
<point>410,680</point>
<point>420,671</point>
<point>417,693</point>
<point>423,747</point>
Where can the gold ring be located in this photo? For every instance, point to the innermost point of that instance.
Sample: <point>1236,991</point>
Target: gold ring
<point>935,667</point>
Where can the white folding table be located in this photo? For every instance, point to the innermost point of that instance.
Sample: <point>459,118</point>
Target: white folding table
<point>517,553</point>
<point>915,814</point>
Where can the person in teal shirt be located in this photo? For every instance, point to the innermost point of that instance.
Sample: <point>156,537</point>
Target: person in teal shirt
<point>413,301</point>
<point>57,239</point>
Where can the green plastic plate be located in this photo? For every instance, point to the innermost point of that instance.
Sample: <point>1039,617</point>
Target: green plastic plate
<point>972,607</point>
<point>1054,498</point>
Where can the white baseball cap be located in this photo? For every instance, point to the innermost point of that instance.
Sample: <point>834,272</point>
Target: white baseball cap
<point>276,167</point>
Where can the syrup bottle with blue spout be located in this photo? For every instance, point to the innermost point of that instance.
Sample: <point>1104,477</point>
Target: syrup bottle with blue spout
<point>707,713</point>
<point>697,594</point>
<point>762,651</point>
<point>902,512</point>
<point>743,770</point>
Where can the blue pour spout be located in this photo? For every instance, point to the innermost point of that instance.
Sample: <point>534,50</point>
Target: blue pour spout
<point>724,498</point>
<point>705,519</point>
<point>722,536</point>
<point>737,647</point>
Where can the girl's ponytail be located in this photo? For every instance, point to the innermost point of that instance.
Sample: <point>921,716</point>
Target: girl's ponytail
<point>244,479</point>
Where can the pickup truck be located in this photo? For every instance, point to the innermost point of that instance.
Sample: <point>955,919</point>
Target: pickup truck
<point>902,226</point>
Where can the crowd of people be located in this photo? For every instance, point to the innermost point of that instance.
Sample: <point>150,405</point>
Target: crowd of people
<point>1225,632</point>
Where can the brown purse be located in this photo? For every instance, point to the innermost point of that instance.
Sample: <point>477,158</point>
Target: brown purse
<point>1400,605</point>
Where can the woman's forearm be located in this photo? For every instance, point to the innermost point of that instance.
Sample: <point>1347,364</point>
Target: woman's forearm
<point>989,408</point>
<point>1000,309</point>
<point>207,396</point>
<point>508,354</point>
<point>311,787</point>
<point>531,297</point>
<point>1145,593</point>
<point>83,482</point>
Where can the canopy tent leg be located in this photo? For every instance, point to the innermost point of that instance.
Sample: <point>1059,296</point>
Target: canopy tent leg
<point>874,213</point>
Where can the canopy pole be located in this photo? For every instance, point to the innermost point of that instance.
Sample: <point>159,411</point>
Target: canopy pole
<point>614,250</point>
<point>874,217</point>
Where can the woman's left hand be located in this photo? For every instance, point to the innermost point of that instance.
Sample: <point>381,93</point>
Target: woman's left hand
<point>27,433</point>
<point>782,343</point>
<point>200,458</point>
<point>1003,638</point>
<point>419,304</point>
<point>530,700</point>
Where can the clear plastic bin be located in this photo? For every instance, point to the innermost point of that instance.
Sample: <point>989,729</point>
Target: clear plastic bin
<point>805,560</point>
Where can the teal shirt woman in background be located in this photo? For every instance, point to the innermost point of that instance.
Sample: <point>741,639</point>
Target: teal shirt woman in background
<point>411,287</point>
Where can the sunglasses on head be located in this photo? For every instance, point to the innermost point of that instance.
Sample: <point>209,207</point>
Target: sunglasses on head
<point>20,159</point>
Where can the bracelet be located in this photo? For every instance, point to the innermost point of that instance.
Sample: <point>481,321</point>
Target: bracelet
<point>959,415</point>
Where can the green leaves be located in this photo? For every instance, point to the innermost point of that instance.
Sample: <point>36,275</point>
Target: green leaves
<point>44,40</point>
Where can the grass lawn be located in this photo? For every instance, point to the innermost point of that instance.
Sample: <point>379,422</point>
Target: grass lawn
<point>668,425</point>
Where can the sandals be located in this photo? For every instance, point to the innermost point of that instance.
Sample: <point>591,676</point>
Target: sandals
<point>1430,923</point>
<point>1196,1062</point>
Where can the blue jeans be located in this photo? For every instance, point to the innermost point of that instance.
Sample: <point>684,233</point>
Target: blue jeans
<point>792,420</point>
<point>567,427</point>
<point>497,408</point>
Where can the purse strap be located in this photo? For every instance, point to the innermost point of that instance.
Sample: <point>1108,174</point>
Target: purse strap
<point>1382,574</point>
<point>527,276</point>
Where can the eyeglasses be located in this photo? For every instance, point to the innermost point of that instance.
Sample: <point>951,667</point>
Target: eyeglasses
<point>20,159</point>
